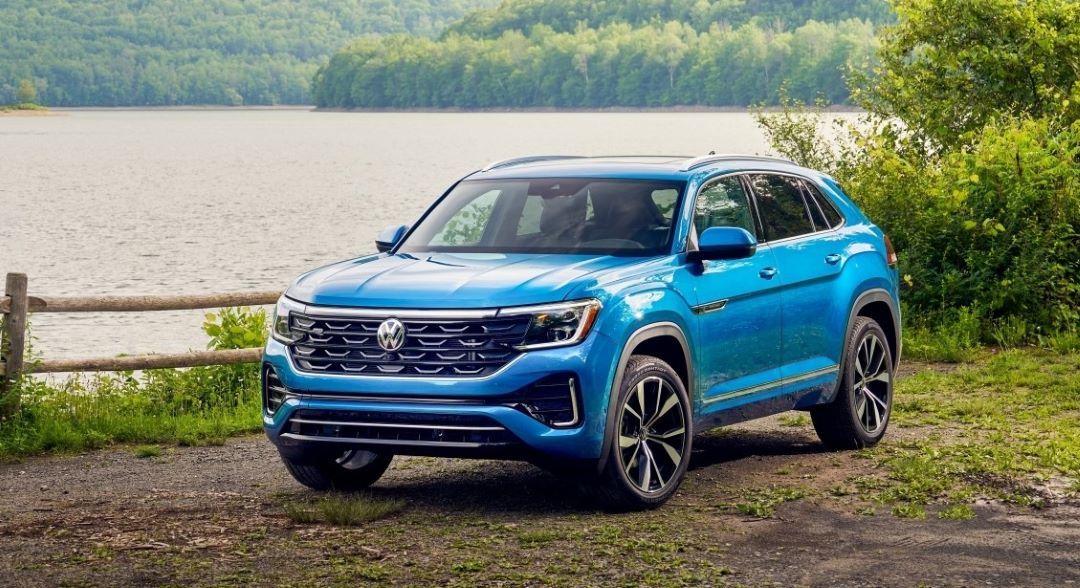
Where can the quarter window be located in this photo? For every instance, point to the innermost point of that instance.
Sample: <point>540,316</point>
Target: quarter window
<point>822,211</point>
<point>723,204</point>
<point>780,203</point>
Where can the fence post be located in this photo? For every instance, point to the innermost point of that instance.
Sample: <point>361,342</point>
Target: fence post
<point>14,340</point>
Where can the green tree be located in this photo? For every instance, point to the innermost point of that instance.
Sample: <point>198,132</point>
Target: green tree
<point>950,66</point>
<point>26,94</point>
<point>967,159</point>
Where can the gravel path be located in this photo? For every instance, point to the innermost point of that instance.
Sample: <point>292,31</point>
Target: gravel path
<point>214,516</point>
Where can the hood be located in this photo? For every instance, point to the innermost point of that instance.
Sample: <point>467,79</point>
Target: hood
<point>444,280</point>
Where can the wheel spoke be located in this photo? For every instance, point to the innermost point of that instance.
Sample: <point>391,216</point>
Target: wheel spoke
<point>653,468</point>
<point>641,401</point>
<point>645,478</point>
<point>625,441</point>
<point>672,433</point>
<point>860,404</point>
<point>630,463</point>
<point>659,397</point>
<point>877,401</point>
<point>884,376</point>
<point>877,418</point>
<point>668,448</point>
<point>672,402</point>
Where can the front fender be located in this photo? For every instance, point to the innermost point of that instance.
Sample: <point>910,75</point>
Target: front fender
<point>633,319</point>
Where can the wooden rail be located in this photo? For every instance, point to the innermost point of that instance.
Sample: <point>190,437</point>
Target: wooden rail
<point>15,305</point>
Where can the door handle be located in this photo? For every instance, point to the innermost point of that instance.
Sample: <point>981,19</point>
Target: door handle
<point>767,273</point>
<point>832,258</point>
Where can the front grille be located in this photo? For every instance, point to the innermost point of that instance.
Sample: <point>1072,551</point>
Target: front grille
<point>446,430</point>
<point>433,347</point>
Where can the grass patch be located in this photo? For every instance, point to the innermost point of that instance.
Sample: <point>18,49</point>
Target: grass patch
<point>145,451</point>
<point>343,510</point>
<point>762,503</point>
<point>197,406</point>
<point>957,512</point>
<point>797,419</point>
<point>993,430</point>
<point>537,538</point>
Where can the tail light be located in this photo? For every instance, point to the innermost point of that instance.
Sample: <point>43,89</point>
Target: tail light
<point>890,253</point>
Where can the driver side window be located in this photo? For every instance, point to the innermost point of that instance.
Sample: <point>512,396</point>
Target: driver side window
<point>724,204</point>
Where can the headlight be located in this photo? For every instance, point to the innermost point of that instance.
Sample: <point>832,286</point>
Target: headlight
<point>281,330</point>
<point>555,325</point>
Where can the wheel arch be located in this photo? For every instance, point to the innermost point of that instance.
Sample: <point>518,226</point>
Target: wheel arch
<point>877,304</point>
<point>655,339</point>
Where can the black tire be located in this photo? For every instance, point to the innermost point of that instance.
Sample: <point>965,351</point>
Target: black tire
<point>347,470</point>
<point>616,488</point>
<point>859,415</point>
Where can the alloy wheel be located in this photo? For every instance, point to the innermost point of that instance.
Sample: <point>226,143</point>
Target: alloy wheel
<point>652,435</point>
<point>873,384</point>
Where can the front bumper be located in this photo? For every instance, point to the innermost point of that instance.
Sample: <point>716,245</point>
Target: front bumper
<point>444,416</point>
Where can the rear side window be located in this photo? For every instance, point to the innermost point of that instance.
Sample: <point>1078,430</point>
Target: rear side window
<point>780,203</point>
<point>821,209</point>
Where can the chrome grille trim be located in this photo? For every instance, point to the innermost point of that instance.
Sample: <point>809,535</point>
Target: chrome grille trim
<point>392,425</point>
<point>433,347</point>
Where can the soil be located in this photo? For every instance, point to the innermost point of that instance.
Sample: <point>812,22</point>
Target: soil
<point>215,516</point>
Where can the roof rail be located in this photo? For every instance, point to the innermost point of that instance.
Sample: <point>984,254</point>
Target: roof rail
<point>697,162</point>
<point>527,159</point>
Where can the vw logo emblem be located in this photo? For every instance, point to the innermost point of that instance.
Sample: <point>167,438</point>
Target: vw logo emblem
<point>391,335</point>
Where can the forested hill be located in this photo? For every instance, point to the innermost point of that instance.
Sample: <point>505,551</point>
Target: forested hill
<point>566,15</point>
<point>610,53</point>
<point>166,52</point>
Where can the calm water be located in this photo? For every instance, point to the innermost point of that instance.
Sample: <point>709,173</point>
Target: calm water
<point>162,202</point>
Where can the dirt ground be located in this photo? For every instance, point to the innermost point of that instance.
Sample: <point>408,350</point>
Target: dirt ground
<point>214,516</point>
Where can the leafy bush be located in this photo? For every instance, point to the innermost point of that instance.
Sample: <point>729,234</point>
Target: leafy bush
<point>969,164</point>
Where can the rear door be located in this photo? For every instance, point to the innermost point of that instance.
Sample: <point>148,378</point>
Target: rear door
<point>808,260</point>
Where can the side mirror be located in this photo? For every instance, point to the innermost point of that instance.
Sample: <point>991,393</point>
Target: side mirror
<point>724,243</point>
<point>389,237</point>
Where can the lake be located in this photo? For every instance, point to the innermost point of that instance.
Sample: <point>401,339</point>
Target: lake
<point>201,201</point>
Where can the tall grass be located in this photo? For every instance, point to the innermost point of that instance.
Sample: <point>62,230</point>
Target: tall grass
<point>189,407</point>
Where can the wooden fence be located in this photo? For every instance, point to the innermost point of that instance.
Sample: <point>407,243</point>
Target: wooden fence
<point>16,304</point>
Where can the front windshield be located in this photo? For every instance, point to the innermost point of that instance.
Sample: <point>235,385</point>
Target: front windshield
<point>597,216</point>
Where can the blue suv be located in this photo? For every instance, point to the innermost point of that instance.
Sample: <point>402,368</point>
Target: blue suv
<point>590,315</point>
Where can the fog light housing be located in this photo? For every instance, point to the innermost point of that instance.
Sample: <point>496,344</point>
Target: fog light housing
<point>274,391</point>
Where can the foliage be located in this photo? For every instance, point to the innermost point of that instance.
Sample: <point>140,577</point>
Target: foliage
<point>617,64</point>
<point>196,406</point>
<point>26,94</point>
<point>165,52</point>
<point>976,183</point>
<point>567,15</point>
<point>952,66</point>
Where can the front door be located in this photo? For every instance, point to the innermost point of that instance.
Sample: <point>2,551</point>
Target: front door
<point>738,308</point>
